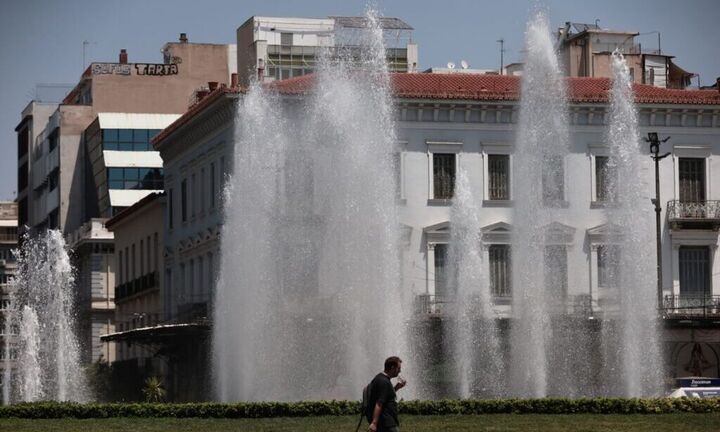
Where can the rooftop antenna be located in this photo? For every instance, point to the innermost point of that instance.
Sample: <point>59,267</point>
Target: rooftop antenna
<point>85,43</point>
<point>451,65</point>
<point>501,41</point>
<point>464,64</point>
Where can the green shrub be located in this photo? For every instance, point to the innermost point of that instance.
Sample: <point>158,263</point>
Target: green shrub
<point>39,410</point>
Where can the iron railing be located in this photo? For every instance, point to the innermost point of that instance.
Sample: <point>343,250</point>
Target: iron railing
<point>691,306</point>
<point>574,305</point>
<point>700,211</point>
<point>137,285</point>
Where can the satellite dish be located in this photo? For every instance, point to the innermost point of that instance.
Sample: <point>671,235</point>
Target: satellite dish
<point>451,65</point>
<point>464,64</point>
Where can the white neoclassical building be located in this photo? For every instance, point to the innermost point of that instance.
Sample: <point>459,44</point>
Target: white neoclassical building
<point>450,121</point>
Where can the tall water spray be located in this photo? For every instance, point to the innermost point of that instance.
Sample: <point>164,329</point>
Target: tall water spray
<point>541,145</point>
<point>635,329</point>
<point>42,300</point>
<point>477,354</point>
<point>308,302</point>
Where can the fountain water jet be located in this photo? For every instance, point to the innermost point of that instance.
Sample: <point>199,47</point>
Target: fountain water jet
<point>308,302</point>
<point>42,300</point>
<point>636,329</point>
<point>474,334</point>
<point>541,145</point>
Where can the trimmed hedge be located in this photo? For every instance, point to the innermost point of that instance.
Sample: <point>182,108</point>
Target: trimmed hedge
<point>47,410</point>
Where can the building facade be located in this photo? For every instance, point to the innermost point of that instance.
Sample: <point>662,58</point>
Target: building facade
<point>274,48</point>
<point>448,121</point>
<point>8,266</point>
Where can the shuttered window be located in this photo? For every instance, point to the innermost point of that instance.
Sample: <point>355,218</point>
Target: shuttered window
<point>441,270</point>
<point>499,177</point>
<point>605,180</point>
<point>500,271</point>
<point>556,271</point>
<point>443,175</point>
<point>694,271</point>
<point>692,179</point>
<point>608,261</point>
<point>553,179</point>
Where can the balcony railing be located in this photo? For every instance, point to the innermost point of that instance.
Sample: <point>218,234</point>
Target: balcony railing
<point>136,286</point>
<point>700,214</point>
<point>691,307</point>
<point>574,305</point>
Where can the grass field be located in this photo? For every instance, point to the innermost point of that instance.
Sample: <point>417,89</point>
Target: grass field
<point>493,422</point>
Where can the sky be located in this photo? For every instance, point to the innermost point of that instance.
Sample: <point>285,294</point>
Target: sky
<point>41,41</point>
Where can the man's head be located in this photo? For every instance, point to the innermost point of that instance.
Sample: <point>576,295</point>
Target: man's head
<point>392,366</point>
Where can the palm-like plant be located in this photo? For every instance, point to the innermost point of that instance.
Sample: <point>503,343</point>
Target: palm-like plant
<point>154,390</point>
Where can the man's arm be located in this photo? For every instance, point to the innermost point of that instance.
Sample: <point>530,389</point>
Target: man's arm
<point>376,416</point>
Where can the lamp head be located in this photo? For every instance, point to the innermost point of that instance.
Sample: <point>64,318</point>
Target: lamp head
<point>653,136</point>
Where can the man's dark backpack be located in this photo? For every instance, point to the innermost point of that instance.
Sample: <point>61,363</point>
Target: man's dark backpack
<point>365,409</point>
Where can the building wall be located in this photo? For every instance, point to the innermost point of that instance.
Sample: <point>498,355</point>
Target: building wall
<point>139,253</point>
<point>8,268</point>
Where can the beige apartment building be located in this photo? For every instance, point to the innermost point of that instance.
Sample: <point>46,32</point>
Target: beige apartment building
<point>89,157</point>
<point>138,232</point>
<point>8,266</point>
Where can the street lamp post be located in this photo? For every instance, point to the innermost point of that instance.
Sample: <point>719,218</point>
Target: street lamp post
<point>655,150</point>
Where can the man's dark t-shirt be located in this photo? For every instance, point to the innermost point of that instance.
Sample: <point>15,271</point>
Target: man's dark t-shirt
<point>382,390</point>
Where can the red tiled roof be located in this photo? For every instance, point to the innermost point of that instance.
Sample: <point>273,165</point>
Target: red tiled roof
<point>502,87</point>
<point>472,87</point>
<point>194,109</point>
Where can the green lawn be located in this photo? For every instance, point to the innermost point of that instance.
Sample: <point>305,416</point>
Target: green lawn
<point>493,422</point>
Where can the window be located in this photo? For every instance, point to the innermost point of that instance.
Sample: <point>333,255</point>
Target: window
<point>135,178</point>
<point>211,279</point>
<point>499,177</point>
<point>156,250</point>
<point>443,175</point>
<point>500,270</point>
<point>193,195</point>
<point>127,266</point>
<point>556,271</point>
<point>692,179</point>
<point>605,179</point>
<point>142,257</point>
<point>441,270</point>
<point>212,185</point>
<point>191,281</point>
<point>128,139</point>
<point>183,200</point>
<point>170,208</point>
<point>148,257</point>
<point>694,271</point>
<point>608,263</point>
<point>132,261</point>
<point>202,190</point>
<point>553,179</point>
<point>286,39</point>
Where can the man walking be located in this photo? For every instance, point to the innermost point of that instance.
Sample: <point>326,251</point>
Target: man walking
<point>383,399</point>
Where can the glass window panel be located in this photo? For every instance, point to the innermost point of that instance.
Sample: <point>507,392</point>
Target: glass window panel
<point>141,146</point>
<point>115,173</point>
<point>132,184</point>
<point>131,174</point>
<point>116,184</point>
<point>110,135</point>
<point>444,175</point>
<point>125,146</point>
<point>125,135</point>
<point>152,133</point>
<point>113,145</point>
<point>140,135</point>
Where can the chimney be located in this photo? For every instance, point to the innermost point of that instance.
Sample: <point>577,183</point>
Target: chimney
<point>212,85</point>
<point>234,80</point>
<point>123,56</point>
<point>183,38</point>
<point>717,83</point>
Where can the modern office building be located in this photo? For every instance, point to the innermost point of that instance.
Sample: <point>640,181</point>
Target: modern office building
<point>84,160</point>
<point>8,266</point>
<point>280,48</point>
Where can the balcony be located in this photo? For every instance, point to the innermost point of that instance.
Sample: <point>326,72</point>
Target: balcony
<point>431,305</point>
<point>136,286</point>
<point>691,307</point>
<point>694,215</point>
